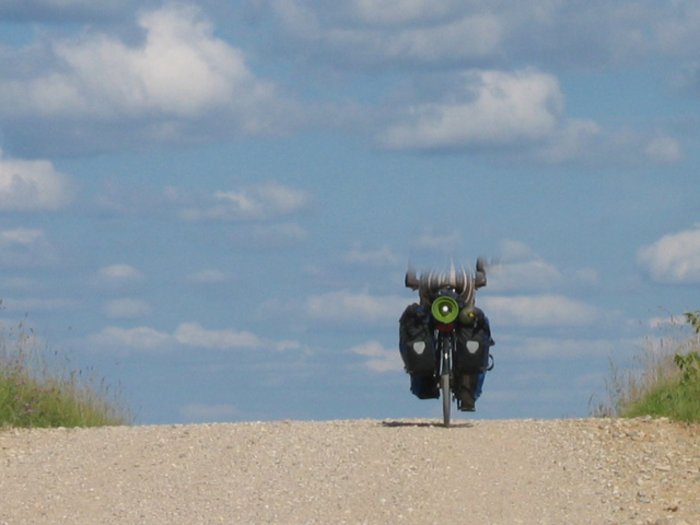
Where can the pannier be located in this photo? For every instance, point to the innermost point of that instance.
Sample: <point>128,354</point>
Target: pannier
<point>473,343</point>
<point>416,340</point>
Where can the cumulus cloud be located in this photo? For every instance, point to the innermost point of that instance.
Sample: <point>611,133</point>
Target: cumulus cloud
<point>675,258</point>
<point>180,69</point>
<point>117,274</point>
<point>675,32</point>
<point>494,108</point>
<point>25,247</point>
<point>519,268</point>
<point>372,33</point>
<point>255,203</point>
<point>29,305</point>
<point>538,310</point>
<point>468,38</point>
<point>193,334</point>
<point>520,275</point>
<point>21,237</point>
<point>178,83</point>
<point>431,241</point>
<point>395,12</point>
<point>368,32</point>
<point>360,255</point>
<point>189,334</point>
<point>586,142</point>
<point>547,348</point>
<point>125,339</point>
<point>378,358</point>
<point>573,140</point>
<point>349,307</point>
<point>32,185</point>
<point>663,149</point>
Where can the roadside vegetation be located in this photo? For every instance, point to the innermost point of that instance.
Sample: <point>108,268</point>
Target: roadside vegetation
<point>668,384</point>
<point>36,390</point>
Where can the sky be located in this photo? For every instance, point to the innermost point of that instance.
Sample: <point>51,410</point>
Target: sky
<point>212,205</point>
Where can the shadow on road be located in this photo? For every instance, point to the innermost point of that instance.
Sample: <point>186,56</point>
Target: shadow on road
<point>437,424</point>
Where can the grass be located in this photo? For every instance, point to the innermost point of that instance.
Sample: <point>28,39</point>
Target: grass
<point>668,384</point>
<point>36,391</point>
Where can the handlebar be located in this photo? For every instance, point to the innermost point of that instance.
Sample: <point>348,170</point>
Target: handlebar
<point>462,281</point>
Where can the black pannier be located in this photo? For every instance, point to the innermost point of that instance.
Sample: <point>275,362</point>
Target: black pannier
<point>416,340</point>
<point>473,343</point>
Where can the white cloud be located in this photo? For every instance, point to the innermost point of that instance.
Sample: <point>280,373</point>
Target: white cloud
<point>125,339</point>
<point>674,258</point>
<point>518,267</point>
<point>676,31</point>
<point>664,149</point>
<point>261,202</point>
<point>355,307</point>
<point>118,274</point>
<point>512,250</point>
<point>541,348</point>
<point>431,241</point>
<point>573,140</point>
<point>521,348</point>
<point>29,305</point>
<point>584,141</point>
<point>495,108</point>
<point>193,334</point>
<point>371,257</point>
<point>534,274</point>
<point>189,334</point>
<point>161,88</point>
<point>180,69</point>
<point>394,12</point>
<point>467,38</point>
<point>537,310</point>
<point>665,322</point>
<point>25,247</point>
<point>371,33</point>
<point>127,308</point>
<point>21,237</point>
<point>379,359</point>
<point>28,185</point>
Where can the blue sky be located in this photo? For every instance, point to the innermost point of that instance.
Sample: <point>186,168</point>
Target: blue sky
<point>213,206</point>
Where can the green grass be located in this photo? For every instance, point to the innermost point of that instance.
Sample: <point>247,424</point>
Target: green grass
<point>668,384</point>
<point>36,391</point>
<point>673,400</point>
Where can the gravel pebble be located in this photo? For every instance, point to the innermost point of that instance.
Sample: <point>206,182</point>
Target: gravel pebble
<point>575,471</point>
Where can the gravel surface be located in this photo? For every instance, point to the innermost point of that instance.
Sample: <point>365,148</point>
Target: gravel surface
<point>599,471</point>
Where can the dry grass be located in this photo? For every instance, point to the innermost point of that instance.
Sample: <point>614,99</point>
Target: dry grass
<point>656,385</point>
<point>38,390</point>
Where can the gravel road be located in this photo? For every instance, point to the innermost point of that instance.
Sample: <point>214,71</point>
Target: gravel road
<point>593,471</point>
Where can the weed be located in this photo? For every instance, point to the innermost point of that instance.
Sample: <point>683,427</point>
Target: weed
<point>668,385</point>
<point>35,392</point>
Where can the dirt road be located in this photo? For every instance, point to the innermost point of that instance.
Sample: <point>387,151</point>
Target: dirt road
<point>595,471</point>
